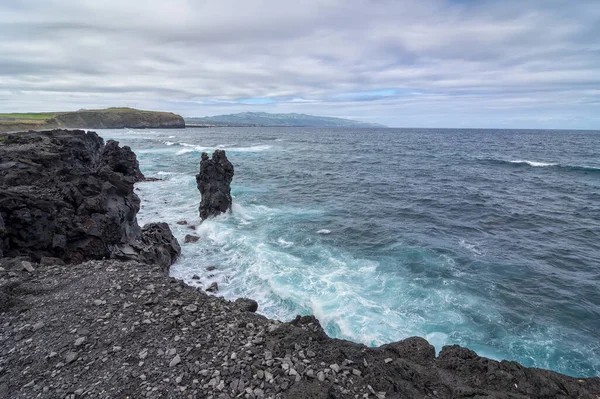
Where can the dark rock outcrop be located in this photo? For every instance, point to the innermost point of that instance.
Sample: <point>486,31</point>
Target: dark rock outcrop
<point>214,183</point>
<point>66,194</point>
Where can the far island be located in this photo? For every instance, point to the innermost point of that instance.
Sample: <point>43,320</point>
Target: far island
<point>109,118</point>
<point>261,119</point>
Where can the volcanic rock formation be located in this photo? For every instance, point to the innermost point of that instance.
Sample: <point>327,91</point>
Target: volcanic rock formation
<point>214,182</point>
<point>65,194</point>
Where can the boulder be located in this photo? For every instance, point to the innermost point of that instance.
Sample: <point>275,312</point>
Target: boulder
<point>190,238</point>
<point>214,183</point>
<point>159,246</point>
<point>246,305</point>
<point>68,195</point>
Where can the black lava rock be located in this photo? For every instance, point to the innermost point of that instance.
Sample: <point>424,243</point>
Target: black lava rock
<point>214,183</point>
<point>65,194</point>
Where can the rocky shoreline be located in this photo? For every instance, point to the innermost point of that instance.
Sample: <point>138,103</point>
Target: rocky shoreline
<point>75,325</point>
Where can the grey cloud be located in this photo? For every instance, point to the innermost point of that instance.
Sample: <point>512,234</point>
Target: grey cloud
<point>199,58</point>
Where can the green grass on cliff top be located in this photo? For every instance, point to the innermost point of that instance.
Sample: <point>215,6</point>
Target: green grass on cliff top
<point>18,117</point>
<point>40,117</point>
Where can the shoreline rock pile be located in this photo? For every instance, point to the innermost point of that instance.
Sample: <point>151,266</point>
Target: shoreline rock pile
<point>125,329</point>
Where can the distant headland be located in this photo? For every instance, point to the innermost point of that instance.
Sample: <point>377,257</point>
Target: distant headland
<point>251,119</point>
<point>109,118</point>
<point>118,118</point>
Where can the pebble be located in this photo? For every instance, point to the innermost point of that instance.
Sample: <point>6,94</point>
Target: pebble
<point>27,266</point>
<point>268,376</point>
<point>70,357</point>
<point>191,308</point>
<point>38,326</point>
<point>335,367</point>
<point>321,376</point>
<point>79,341</point>
<point>175,361</point>
<point>387,360</point>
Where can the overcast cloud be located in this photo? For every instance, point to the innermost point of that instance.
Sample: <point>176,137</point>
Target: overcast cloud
<point>438,63</point>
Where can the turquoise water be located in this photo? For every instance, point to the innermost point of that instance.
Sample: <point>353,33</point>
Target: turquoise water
<point>485,238</point>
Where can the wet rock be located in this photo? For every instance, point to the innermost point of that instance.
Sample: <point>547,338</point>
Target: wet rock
<point>214,287</point>
<point>190,238</point>
<point>214,182</point>
<point>182,222</point>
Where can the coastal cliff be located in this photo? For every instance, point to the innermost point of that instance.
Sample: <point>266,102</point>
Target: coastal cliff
<point>120,327</point>
<point>110,118</point>
<point>68,195</point>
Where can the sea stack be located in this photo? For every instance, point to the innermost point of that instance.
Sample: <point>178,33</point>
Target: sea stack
<point>214,183</point>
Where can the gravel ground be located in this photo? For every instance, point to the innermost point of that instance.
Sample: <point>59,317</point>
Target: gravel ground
<point>110,329</point>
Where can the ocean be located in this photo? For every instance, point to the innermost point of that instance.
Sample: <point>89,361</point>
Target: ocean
<point>488,239</point>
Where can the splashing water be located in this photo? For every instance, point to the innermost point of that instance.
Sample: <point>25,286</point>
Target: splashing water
<point>385,234</point>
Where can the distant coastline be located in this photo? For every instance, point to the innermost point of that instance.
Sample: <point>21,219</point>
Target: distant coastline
<point>109,118</point>
<point>264,119</point>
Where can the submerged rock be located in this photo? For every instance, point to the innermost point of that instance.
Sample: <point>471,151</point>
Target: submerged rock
<point>67,195</point>
<point>214,182</point>
<point>190,238</point>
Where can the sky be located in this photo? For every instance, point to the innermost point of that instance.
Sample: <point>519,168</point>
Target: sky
<point>403,63</point>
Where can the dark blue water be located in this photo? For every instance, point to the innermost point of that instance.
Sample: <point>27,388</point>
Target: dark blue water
<point>484,238</point>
